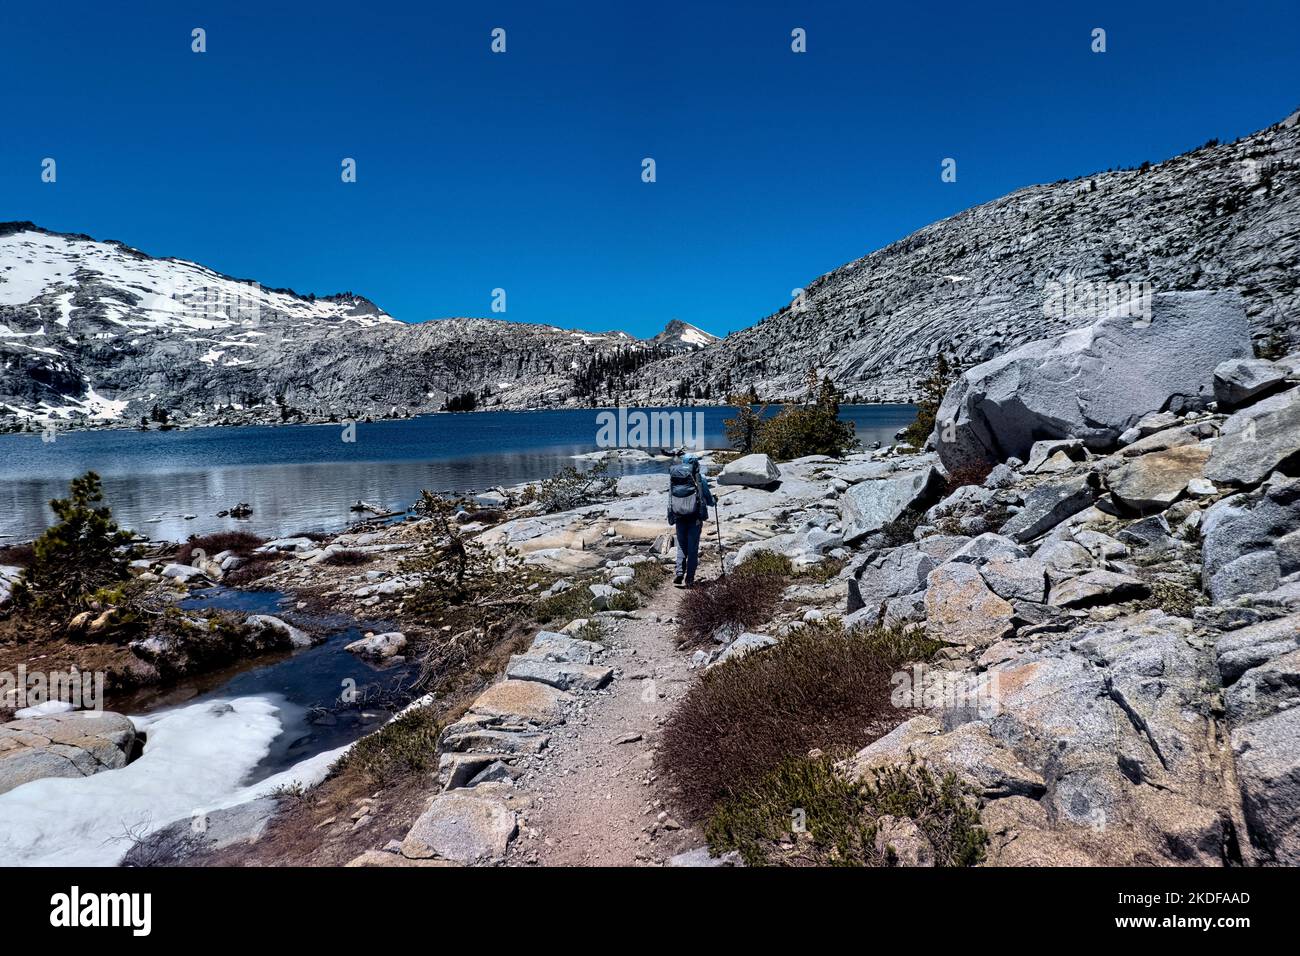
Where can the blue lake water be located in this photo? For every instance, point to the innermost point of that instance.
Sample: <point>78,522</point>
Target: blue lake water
<point>305,477</point>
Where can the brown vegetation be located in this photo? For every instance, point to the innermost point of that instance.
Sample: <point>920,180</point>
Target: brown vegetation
<point>821,687</point>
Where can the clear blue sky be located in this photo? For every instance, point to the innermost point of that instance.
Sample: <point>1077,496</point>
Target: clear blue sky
<point>523,170</point>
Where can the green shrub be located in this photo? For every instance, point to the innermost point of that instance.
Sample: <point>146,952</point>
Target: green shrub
<point>766,563</point>
<point>83,552</point>
<point>811,427</point>
<point>566,606</point>
<point>839,818</point>
<point>409,743</point>
<point>942,374</point>
<point>744,430</point>
<point>648,577</point>
<point>457,573</point>
<point>571,488</point>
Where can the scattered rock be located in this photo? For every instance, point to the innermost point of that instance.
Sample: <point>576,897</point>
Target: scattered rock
<point>463,827</point>
<point>1240,380</point>
<point>960,608</point>
<point>378,647</point>
<point>1097,587</point>
<point>1048,505</point>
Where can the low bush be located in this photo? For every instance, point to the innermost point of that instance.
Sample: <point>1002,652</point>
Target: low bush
<point>771,563</point>
<point>839,818</point>
<point>242,543</point>
<point>348,557</point>
<point>568,605</point>
<point>457,575</point>
<point>409,743</point>
<point>821,687</point>
<point>969,474</point>
<point>745,598</point>
<point>571,488</point>
<point>257,566</point>
<point>17,555</point>
<point>647,578</point>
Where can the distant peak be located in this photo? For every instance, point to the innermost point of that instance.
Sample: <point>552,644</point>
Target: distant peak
<point>682,335</point>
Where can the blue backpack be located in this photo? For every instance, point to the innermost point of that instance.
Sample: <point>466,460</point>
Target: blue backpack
<point>684,491</point>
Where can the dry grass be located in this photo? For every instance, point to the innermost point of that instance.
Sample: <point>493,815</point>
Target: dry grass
<point>347,558</point>
<point>17,555</point>
<point>820,688</point>
<point>746,598</point>
<point>257,566</point>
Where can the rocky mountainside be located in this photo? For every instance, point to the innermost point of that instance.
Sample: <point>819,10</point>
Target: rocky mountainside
<point>98,331</point>
<point>1039,261</point>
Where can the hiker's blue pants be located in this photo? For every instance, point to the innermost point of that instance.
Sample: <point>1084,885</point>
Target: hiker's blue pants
<point>688,547</point>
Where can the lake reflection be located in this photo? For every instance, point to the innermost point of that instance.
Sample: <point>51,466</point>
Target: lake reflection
<point>302,478</point>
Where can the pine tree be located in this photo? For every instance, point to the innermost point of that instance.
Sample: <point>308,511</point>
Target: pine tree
<point>83,552</point>
<point>933,388</point>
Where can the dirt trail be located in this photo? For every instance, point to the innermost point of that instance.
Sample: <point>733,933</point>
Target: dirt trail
<point>594,796</point>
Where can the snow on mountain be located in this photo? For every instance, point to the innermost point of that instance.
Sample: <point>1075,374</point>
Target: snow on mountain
<point>682,336</point>
<point>98,331</point>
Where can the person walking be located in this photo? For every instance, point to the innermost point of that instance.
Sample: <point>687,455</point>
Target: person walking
<point>689,500</point>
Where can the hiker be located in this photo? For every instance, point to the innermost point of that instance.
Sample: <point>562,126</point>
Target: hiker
<point>688,509</point>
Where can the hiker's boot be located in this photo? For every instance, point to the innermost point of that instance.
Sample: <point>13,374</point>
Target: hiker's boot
<point>677,581</point>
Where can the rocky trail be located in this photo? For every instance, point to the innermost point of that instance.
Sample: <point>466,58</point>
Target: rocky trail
<point>593,799</point>
<point>553,764</point>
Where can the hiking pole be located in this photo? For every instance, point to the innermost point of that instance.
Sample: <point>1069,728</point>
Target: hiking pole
<point>722,556</point>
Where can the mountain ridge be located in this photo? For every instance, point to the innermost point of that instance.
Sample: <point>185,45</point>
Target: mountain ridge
<point>98,331</point>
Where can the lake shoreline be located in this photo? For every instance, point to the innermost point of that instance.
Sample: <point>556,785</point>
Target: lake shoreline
<point>125,425</point>
<point>170,485</point>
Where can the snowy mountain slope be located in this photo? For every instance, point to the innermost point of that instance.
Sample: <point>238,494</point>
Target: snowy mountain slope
<point>681,336</point>
<point>98,331</point>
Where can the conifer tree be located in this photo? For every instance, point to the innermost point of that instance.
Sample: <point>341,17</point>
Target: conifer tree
<point>83,552</point>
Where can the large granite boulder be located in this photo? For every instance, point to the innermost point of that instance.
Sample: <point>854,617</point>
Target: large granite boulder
<point>752,471</point>
<point>888,575</point>
<point>71,744</point>
<point>1094,749</point>
<point>961,609</point>
<point>870,505</point>
<point>1093,383</point>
